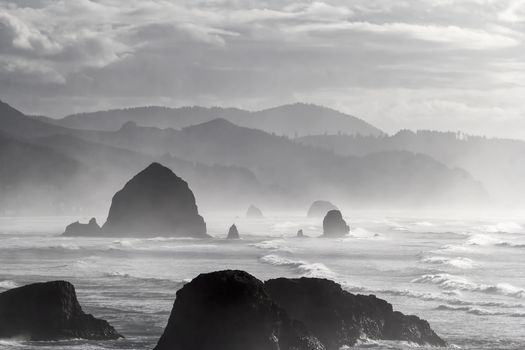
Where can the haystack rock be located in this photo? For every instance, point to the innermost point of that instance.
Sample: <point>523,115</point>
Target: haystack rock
<point>49,311</point>
<point>233,233</point>
<point>339,318</point>
<point>334,225</point>
<point>230,310</point>
<point>318,209</point>
<point>77,229</point>
<point>155,202</point>
<point>254,213</point>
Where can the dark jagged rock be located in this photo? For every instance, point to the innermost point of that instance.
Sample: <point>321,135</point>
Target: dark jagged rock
<point>300,234</point>
<point>77,229</point>
<point>334,225</point>
<point>49,311</point>
<point>153,202</point>
<point>339,318</point>
<point>230,310</point>
<point>233,233</point>
<point>254,213</point>
<point>318,209</point>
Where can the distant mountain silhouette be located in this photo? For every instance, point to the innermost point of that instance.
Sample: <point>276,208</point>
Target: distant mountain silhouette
<point>497,163</point>
<point>293,119</point>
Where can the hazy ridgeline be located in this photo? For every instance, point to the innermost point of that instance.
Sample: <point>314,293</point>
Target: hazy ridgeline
<point>232,158</point>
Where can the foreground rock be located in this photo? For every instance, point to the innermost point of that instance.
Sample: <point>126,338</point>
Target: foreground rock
<point>49,311</point>
<point>155,201</point>
<point>318,209</point>
<point>233,233</point>
<point>254,213</point>
<point>334,225</point>
<point>230,310</point>
<point>338,318</point>
<point>77,229</point>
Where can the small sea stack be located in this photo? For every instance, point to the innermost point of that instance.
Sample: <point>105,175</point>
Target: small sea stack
<point>77,229</point>
<point>233,233</point>
<point>334,225</point>
<point>49,311</point>
<point>318,209</point>
<point>300,234</point>
<point>254,213</point>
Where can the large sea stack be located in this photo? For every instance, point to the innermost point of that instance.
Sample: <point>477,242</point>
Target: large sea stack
<point>230,310</point>
<point>77,229</point>
<point>339,318</point>
<point>254,213</point>
<point>233,232</point>
<point>49,311</point>
<point>334,225</point>
<point>318,209</point>
<point>155,202</point>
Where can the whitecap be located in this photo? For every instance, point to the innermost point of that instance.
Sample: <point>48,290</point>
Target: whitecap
<point>458,262</point>
<point>8,284</point>
<point>304,268</point>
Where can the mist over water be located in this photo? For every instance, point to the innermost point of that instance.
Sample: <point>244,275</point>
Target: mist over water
<point>464,276</point>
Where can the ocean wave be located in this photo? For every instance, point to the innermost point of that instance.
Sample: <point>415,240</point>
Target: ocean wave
<point>511,245</point>
<point>502,227</point>
<point>304,268</point>
<point>459,262</point>
<point>479,312</point>
<point>275,245</point>
<point>447,281</point>
<point>8,284</point>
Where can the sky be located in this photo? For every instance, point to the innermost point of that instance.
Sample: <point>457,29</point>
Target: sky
<point>414,64</point>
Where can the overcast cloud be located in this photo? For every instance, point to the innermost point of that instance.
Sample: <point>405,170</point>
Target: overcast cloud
<point>439,64</point>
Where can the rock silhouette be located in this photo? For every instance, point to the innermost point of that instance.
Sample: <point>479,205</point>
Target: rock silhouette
<point>155,202</point>
<point>318,209</point>
<point>233,233</point>
<point>254,213</point>
<point>334,225</point>
<point>338,318</point>
<point>230,310</point>
<point>77,229</point>
<point>49,311</point>
<point>300,234</point>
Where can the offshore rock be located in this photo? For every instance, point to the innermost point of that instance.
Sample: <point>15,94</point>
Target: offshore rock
<point>155,202</point>
<point>254,213</point>
<point>233,233</point>
<point>339,318</point>
<point>49,311</point>
<point>77,229</point>
<point>334,225</point>
<point>230,310</point>
<point>318,209</point>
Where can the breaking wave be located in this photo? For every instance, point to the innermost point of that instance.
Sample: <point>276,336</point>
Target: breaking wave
<point>479,312</point>
<point>459,262</point>
<point>8,284</point>
<point>451,282</point>
<point>304,268</point>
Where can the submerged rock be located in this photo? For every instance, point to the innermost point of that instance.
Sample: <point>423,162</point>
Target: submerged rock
<point>49,311</point>
<point>153,202</point>
<point>77,229</point>
<point>230,310</point>
<point>338,318</point>
<point>318,209</point>
<point>233,233</point>
<point>334,225</point>
<point>254,213</point>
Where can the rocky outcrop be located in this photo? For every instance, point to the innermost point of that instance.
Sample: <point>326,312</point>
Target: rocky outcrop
<point>254,213</point>
<point>233,233</point>
<point>49,311</point>
<point>334,225</point>
<point>77,229</point>
<point>230,310</point>
<point>338,318</point>
<point>300,234</point>
<point>155,202</point>
<point>318,209</point>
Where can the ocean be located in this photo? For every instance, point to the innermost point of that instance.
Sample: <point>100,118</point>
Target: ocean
<point>466,277</point>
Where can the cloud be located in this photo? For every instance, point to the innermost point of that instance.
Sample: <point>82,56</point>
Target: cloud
<point>367,57</point>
